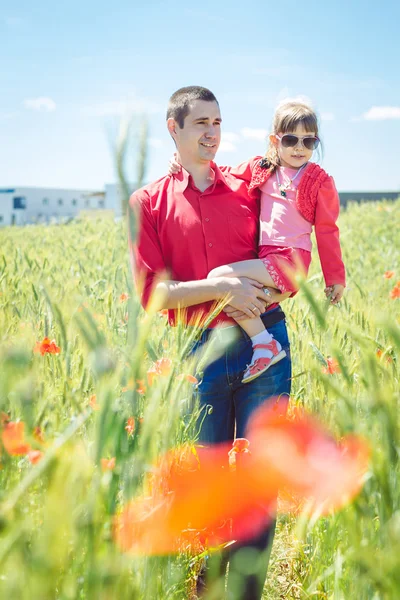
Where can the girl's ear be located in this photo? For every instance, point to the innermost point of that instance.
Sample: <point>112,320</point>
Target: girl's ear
<point>273,139</point>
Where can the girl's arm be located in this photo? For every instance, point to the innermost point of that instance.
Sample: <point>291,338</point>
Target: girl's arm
<point>243,171</point>
<point>327,235</point>
<point>253,269</point>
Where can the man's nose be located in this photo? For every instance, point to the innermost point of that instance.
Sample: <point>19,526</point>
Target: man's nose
<point>212,131</point>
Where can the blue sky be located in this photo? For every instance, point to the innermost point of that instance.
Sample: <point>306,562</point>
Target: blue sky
<point>69,71</point>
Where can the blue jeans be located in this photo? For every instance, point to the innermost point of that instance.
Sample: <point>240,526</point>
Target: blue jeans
<point>228,404</point>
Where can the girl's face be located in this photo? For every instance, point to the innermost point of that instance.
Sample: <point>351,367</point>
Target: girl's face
<point>293,156</point>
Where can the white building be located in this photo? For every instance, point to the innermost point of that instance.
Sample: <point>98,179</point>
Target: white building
<point>21,205</point>
<point>113,194</point>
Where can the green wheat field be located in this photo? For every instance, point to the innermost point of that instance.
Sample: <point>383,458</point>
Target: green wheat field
<point>96,415</point>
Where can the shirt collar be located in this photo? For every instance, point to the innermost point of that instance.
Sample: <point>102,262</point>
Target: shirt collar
<point>183,178</point>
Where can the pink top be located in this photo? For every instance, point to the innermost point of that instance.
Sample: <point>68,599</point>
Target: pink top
<point>281,224</point>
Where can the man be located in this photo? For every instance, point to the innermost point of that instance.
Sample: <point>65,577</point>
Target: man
<point>191,223</point>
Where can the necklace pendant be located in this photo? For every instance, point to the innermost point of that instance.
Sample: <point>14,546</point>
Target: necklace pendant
<point>282,191</point>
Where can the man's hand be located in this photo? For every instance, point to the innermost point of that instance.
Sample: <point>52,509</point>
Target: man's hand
<point>334,292</point>
<point>244,295</point>
<point>274,296</point>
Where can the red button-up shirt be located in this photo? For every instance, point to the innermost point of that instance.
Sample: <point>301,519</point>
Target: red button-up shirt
<point>184,233</point>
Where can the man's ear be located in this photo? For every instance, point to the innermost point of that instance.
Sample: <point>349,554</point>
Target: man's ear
<point>172,126</point>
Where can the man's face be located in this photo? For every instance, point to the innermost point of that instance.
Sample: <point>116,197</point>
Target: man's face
<point>199,139</point>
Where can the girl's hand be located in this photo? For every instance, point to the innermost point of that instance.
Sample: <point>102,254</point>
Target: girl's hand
<point>173,166</point>
<point>334,292</point>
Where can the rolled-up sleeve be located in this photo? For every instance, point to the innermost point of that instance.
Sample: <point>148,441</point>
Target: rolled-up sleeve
<point>145,251</point>
<point>327,234</point>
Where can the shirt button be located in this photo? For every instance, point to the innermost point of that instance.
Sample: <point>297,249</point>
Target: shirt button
<point>210,244</point>
<point>206,219</point>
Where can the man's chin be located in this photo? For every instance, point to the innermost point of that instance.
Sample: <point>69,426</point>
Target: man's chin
<point>208,155</point>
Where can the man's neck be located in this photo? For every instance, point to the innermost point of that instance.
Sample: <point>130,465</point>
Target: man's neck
<point>201,174</point>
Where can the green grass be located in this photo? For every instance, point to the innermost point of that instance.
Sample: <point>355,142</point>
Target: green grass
<point>56,517</point>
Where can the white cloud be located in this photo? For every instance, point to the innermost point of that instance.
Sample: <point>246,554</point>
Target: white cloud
<point>229,136</point>
<point>327,116</point>
<point>40,103</point>
<point>227,147</point>
<point>382,113</point>
<point>254,134</point>
<point>156,143</point>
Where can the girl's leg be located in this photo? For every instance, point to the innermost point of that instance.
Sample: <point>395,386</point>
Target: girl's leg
<point>253,269</point>
<point>266,350</point>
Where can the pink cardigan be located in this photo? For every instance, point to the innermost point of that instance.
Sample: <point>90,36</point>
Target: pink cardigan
<point>317,201</point>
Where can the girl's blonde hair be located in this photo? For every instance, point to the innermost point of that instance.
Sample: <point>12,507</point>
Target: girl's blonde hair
<point>288,116</point>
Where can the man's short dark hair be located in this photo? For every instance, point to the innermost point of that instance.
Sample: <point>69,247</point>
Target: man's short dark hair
<point>180,101</point>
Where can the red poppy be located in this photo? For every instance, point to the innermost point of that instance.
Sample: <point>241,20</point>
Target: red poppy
<point>380,353</point>
<point>152,373</point>
<point>47,347</point>
<point>123,297</point>
<point>93,402</point>
<point>189,378</point>
<point>239,446</point>
<point>314,466</point>
<point>181,510</point>
<point>141,389</point>
<point>332,366</point>
<point>108,464</point>
<point>195,498</point>
<point>388,274</point>
<point>395,293</point>
<point>130,426</point>
<point>162,367</point>
<point>34,456</point>
<point>13,437</point>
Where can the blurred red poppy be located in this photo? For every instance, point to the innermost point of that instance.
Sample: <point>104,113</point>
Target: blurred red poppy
<point>130,426</point>
<point>34,456</point>
<point>332,366</point>
<point>194,497</point>
<point>13,437</point>
<point>47,347</point>
<point>108,464</point>
<point>395,293</point>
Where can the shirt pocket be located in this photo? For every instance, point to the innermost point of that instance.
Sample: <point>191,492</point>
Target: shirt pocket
<point>243,236</point>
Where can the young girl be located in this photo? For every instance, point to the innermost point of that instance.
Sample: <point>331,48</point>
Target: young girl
<point>295,194</point>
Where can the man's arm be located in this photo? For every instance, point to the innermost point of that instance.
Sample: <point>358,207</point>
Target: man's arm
<point>151,273</point>
<point>243,294</point>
